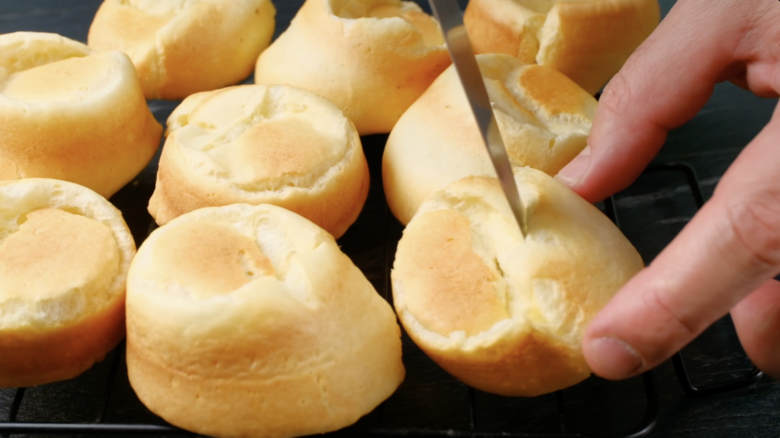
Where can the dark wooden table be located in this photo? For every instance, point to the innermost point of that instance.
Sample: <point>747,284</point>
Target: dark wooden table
<point>651,213</point>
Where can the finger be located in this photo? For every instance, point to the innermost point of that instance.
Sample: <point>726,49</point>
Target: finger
<point>757,319</point>
<point>663,85</point>
<point>729,249</point>
<point>764,79</point>
<point>760,50</point>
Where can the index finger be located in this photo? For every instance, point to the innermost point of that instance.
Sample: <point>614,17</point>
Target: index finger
<point>729,249</point>
<point>663,85</point>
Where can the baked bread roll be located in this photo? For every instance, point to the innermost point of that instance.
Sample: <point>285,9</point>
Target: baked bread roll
<point>544,119</point>
<point>262,145</point>
<point>70,114</point>
<point>64,256</point>
<point>372,58</point>
<point>250,321</point>
<point>181,47</point>
<point>587,40</point>
<point>503,313</point>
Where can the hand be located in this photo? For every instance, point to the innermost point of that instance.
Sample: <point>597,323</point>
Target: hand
<point>726,257</point>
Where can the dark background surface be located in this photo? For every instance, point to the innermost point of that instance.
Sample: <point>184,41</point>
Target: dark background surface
<point>651,212</point>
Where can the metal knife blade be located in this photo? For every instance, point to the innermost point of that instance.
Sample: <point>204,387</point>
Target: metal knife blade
<point>448,13</point>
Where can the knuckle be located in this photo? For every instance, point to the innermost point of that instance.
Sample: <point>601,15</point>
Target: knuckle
<point>754,229</point>
<point>677,324</point>
<point>617,94</point>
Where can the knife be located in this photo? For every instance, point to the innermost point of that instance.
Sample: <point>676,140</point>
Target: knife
<point>450,18</point>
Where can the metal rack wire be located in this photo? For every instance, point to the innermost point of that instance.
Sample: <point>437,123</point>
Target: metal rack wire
<point>103,427</point>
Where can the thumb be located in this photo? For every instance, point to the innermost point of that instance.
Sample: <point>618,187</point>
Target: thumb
<point>729,249</point>
<point>663,85</point>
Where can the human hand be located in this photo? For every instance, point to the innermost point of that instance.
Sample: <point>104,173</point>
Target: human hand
<point>726,256</point>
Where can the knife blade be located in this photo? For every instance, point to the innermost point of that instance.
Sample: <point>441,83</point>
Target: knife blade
<point>450,18</point>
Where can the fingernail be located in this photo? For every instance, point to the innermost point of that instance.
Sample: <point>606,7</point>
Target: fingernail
<point>614,359</point>
<point>573,172</point>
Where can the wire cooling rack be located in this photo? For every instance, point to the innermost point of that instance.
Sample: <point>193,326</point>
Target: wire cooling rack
<point>101,425</point>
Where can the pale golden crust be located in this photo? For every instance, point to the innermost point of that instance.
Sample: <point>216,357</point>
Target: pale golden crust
<point>294,149</point>
<point>543,116</point>
<point>532,297</point>
<point>554,95</point>
<point>47,48</point>
<point>306,346</point>
<point>64,256</point>
<point>32,358</point>
<point>184,47</point>
<point>528,365</point>
<point>75,78</point>
<point>384,64</point>
<point>232,261</point>
<point>587,40</point>
<point>54,251</point>
<point>100,138</point>
<point>504,27</point>
<point>446,270</point>
<point>590,40</point>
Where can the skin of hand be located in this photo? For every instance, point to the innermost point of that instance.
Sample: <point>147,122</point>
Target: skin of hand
<point>725,258</point>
